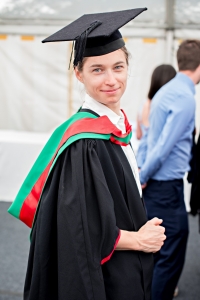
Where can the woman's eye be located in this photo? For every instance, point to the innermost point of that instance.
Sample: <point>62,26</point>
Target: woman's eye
<point>98,70</point>
<point>118,67</point>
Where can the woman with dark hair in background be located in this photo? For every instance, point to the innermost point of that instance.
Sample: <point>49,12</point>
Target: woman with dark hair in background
<point>161,75</point>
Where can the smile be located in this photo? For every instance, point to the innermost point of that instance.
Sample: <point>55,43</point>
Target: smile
<point>110,91</point>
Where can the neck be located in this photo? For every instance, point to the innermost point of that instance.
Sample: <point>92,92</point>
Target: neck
<point>114,107</point>
<point>191,75</point>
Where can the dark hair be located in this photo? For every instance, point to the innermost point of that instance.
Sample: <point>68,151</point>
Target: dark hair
<point>124,49</point>
<point>188,55</point>
<point>161,75</point>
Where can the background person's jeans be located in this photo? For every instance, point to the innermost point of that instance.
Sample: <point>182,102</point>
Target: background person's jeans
<point>165,200</point>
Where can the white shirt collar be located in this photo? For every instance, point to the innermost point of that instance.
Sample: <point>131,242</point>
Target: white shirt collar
<point>118,121</point>
<point>102,110</point>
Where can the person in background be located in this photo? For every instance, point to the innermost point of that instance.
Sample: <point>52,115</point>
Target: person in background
<point>168,154</point>
<point>160,76</point>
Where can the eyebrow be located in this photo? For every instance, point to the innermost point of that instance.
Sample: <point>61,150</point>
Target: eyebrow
<point>96,65</point>
<point>100,65</point>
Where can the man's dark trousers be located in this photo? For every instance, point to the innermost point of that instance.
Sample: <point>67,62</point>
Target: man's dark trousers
<point>165,200</point>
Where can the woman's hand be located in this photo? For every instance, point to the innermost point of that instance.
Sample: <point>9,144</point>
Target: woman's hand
<point>149,238</point>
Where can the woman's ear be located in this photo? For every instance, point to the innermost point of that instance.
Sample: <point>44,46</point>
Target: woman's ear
<point>78,74</point>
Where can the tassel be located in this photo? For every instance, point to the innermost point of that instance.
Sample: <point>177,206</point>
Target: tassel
<point>71,55</point>
<point>81,43</point>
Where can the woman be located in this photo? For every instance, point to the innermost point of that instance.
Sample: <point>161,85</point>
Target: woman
<point>160,76</point>
<point>91,203</point>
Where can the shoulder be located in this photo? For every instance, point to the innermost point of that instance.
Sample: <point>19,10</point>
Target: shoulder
<point>89,144</point>
<point>85,153</point>
<point>173,94</point>
<point>177,89</point>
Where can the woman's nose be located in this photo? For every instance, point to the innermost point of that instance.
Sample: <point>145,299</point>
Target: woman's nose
<point>110,78</point>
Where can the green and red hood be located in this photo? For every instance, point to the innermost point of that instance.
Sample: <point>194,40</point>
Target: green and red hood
<point>79,126</point>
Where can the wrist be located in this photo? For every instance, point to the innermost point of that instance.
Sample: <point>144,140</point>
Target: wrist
<point>135,241</point>
<point>129,240</point>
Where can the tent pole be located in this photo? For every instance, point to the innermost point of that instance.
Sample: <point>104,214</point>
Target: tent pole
<point>169,46</point>
<point>169,4</point>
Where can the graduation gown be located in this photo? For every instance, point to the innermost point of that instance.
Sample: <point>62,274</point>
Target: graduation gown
<point>90,194</point>
<point>195,179</point>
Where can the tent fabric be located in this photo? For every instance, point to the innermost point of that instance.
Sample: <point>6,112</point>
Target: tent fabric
<point>33,93</point>
<point>185,11</point>
<point>67,10</point>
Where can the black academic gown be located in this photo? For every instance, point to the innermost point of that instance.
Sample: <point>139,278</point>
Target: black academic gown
<point>90,195</point>
<point>195,179</point>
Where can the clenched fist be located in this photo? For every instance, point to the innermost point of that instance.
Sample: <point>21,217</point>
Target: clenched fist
<point>150,237</point>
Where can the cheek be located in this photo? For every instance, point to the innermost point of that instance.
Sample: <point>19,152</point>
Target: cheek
<point>94,82</point>
<point>123,78</point>
<point>91,84</point>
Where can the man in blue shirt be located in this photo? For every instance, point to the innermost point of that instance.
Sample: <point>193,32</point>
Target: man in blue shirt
<point>168,153</point>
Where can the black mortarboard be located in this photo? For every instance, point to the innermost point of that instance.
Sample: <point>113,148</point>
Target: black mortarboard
<point>95,34</point>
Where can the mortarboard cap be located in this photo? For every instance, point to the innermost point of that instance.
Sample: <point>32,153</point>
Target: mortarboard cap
<point>95,34</point>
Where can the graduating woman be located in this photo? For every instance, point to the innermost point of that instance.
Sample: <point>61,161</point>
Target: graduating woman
<point>90,236</point>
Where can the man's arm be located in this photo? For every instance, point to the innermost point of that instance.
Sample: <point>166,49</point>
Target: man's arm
<point>176,124</point>
<point>142,150</point>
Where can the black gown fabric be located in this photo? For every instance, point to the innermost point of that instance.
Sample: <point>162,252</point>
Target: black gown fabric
<point>195,179</point>
<point>90,194</point>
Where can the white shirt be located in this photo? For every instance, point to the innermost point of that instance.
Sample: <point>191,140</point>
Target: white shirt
<point>118,121</point>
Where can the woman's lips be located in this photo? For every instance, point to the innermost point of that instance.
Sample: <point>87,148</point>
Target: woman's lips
<point>111,91</point>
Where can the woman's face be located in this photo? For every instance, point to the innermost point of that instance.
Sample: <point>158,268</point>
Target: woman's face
<point>105,77</point>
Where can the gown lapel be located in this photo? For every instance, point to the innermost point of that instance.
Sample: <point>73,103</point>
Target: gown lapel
<point>135,203</point>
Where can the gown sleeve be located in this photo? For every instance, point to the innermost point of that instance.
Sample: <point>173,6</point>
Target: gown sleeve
<point>75,229</point>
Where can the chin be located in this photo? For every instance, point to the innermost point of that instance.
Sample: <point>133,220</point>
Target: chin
<point>113,98</point>
<point>108,99</point>
<point>112,101</point>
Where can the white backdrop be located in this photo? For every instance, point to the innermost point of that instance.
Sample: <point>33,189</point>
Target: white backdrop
<point>33,84</point>
<point>34,81</point>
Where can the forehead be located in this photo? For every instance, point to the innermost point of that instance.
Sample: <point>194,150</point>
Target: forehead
<point>107,59</point>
